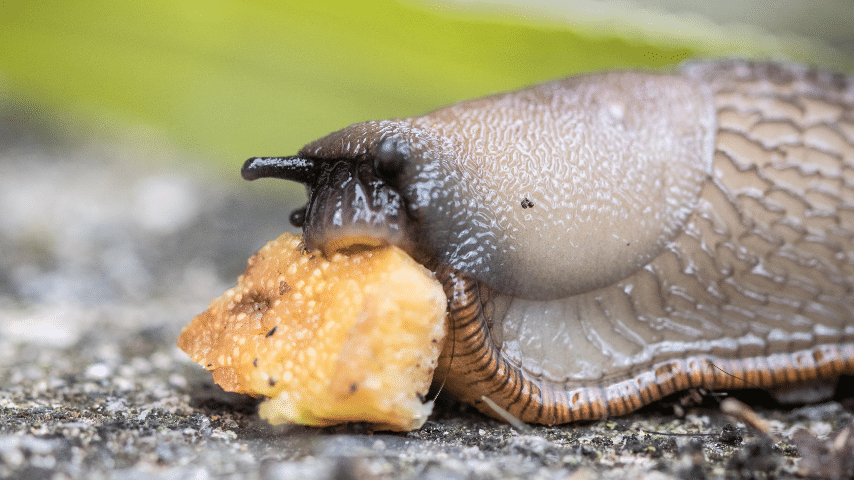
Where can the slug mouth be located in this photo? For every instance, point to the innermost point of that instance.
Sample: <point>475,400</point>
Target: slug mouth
<point>348,245</point>
<point>350,207</point>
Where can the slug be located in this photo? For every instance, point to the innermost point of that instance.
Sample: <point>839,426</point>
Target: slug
<point>609,239</point>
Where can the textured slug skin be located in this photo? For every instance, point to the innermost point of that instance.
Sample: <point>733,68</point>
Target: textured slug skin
<point>690,229</point>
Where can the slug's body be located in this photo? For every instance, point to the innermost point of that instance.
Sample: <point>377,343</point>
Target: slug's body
<point>609,239</point>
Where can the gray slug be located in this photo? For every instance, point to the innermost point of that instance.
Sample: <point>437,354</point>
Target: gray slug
<point>609,239</point>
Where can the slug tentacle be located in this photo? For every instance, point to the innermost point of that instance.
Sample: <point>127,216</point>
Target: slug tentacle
<point>297,217</point>
<point>296,168</point>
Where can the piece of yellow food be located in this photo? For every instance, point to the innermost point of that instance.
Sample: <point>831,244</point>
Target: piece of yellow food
<point>347,339</point>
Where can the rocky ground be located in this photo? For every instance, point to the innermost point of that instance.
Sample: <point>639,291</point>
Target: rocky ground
<point>109,250</point>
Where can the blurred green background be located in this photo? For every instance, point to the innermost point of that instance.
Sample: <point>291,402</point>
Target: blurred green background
<point>228,79</point>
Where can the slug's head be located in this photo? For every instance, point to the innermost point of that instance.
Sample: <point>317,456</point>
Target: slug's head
<point>358,182</point>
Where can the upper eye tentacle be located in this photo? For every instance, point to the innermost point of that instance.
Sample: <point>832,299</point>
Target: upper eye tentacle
<point>298,169</point>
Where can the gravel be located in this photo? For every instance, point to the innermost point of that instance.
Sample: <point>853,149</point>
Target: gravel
<point>109,250</point>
